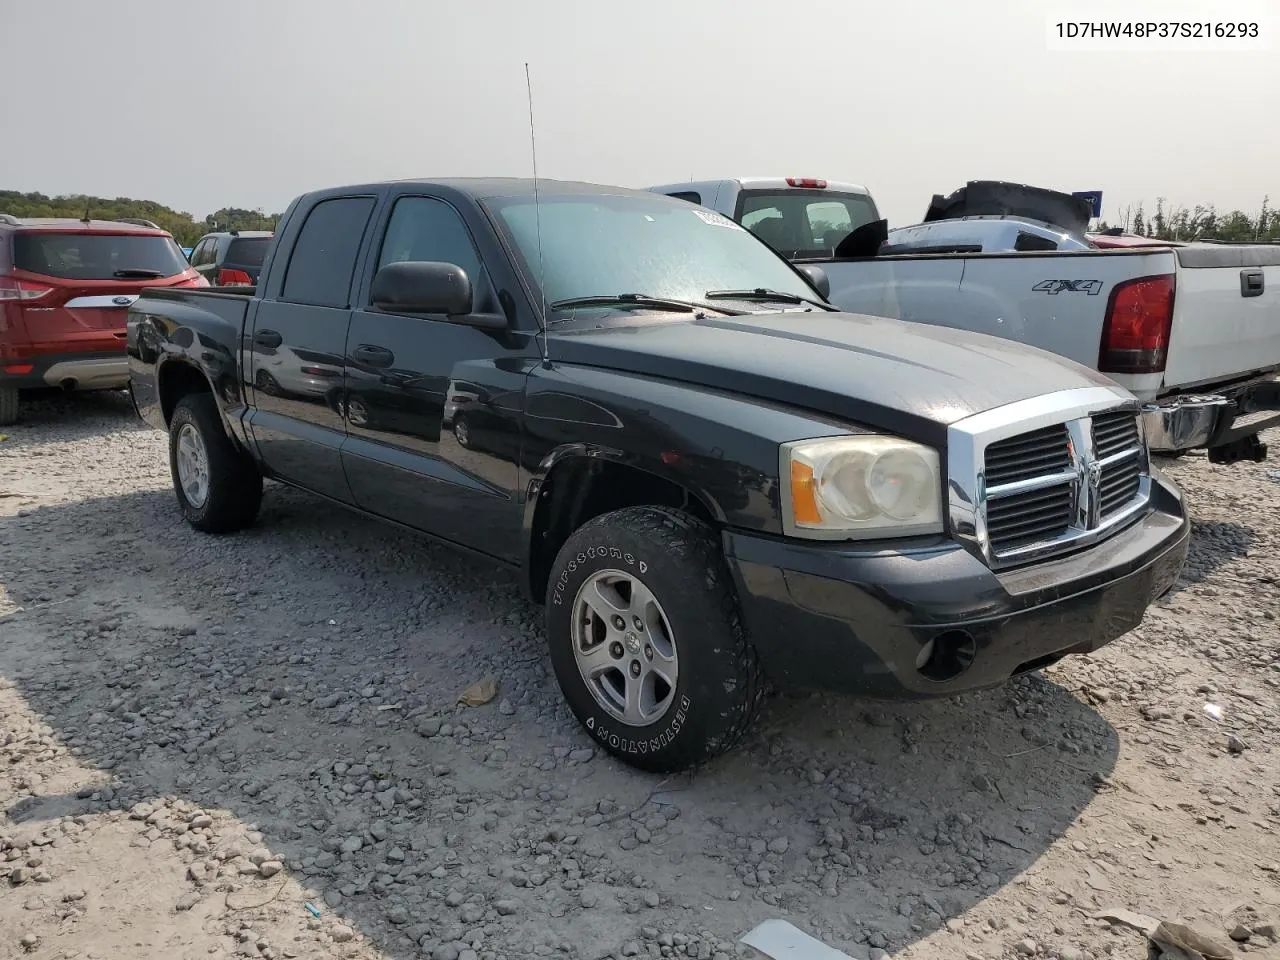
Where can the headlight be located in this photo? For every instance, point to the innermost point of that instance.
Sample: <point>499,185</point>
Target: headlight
<point>860,487</point>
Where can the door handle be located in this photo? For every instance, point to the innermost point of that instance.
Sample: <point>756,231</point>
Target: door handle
<point>1252,283</point>
<point>374,356</point>
<point>267,338</point>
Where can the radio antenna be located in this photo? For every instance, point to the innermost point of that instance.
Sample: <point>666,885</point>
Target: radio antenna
<point>537,213</point>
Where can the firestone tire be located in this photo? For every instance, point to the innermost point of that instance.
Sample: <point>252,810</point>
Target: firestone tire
<point>675,569</point>
<point>229,491</point>
<point>8,406</point>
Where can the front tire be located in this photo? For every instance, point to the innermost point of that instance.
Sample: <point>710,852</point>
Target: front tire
<point>219,488</point>
<point>646,640</point>
<point>8,406</point>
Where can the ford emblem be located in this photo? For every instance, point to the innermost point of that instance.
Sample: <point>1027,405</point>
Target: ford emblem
<point>122,301</point>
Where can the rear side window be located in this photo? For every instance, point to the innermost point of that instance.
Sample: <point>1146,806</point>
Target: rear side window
<point>247,251</point>
<point>97,256</point>
<point>324,256</point>
<point>804,223</point>
<point>689,195</point>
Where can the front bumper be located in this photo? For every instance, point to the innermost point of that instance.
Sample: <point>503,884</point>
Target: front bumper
<point>858,620</point>
<point>92,371</point>
<point>1211,420</point>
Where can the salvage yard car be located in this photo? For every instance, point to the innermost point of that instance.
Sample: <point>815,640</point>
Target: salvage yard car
<point>709,476</point>
<point>1191,329</point>
<point>64,287</point>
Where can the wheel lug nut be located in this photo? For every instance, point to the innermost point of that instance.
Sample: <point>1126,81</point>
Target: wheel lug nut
<point>648,651</point>
<point>615,650</point>
<point>635,668</point>
<point>619,623</point>
<point>639,624</point>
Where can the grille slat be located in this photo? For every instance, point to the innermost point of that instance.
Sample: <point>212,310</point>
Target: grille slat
<point>1113,433</point>
<point>1029,518</point>
<point>1035,454</point>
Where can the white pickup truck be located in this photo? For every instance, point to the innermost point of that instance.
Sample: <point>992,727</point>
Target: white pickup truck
<point>1193,330</point>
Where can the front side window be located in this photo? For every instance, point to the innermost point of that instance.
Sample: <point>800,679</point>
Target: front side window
<point>423,228</point>
<point>600,245</point>
<point>324,255</point>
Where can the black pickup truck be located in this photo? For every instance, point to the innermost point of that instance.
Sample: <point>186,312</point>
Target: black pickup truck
<point>710,477</point>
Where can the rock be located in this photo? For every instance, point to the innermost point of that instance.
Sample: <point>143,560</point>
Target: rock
<point>29,941</point>
<point>186,901</point>
<point>258,856</point>
<point>397,915</point>
<point>446,951</point>
<point>1236,745</point>
<point>342,934</point>
<point>631,949</point>
<point>269,868</point>
<point>652,900</point>
<point>200,821</point>
<point>505,708</point>
<point>1026,947</point>
<point>378,830</point>
<point>582,755</point>
<point>1240,933</point>
<point>1157,712</point>
<point>1270,930</point>
<point>1070,953</point>
<point>428,726</point>
<point>352,844</point>
<point>779,845</point>
<point>507,908</point>
<point>589,899</point>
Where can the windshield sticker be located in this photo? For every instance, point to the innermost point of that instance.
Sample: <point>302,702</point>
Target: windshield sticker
<point>713,218</point>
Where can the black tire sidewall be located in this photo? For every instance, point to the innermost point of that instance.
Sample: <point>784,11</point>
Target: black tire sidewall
<point>188,413</point>
<point>701,711</point>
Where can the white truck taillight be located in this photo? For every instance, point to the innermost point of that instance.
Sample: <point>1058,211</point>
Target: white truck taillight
<point>1135,332</point>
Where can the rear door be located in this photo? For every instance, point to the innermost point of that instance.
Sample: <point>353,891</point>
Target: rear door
<point>434,407</point>
<point>293,357</point>
<point>204,259</point>
<point>1226,318</point>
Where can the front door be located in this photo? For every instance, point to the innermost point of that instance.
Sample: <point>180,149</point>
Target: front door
<point>434,407</point>
<point>294,355</point>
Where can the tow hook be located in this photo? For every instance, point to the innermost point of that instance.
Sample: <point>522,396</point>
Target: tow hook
<point>1246,448</point>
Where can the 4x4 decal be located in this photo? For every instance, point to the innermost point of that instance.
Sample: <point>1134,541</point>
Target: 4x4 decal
<point>1053,287</point>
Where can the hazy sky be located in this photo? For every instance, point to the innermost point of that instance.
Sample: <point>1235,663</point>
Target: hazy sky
<point>249,102</point>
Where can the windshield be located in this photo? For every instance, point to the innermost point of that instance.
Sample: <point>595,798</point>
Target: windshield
<point>602,245</point>
<point>804,224</point>
<point>96,256</point>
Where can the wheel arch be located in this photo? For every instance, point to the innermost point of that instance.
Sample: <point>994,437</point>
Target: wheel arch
<point>579,482</point>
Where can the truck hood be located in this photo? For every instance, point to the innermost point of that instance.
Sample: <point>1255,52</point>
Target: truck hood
<point>889,374</point>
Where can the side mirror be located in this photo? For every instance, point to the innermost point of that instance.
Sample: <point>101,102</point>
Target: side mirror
<point>816,276</point>
<point>422,286</point>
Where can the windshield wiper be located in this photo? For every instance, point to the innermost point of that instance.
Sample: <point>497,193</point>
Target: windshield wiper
<point>763,294</point>
<point>639,300</point>
<point>137,273</point>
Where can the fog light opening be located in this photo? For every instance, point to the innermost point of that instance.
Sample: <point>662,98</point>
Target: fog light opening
<point>946,656</point>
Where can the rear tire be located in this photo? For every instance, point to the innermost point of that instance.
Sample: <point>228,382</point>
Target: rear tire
<point>219,488</point>
<point>666,678</point>
<point>8,406</point>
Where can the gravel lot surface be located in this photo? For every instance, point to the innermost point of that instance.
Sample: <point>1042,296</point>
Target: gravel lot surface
<point>253,746</point>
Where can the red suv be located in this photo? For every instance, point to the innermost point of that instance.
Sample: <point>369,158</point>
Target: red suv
<point>65,288</point>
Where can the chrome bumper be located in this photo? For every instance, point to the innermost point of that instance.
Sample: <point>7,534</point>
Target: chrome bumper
<point>1184,423</point>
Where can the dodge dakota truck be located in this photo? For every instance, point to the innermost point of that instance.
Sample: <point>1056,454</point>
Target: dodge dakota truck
<point>710,477</point>
<point>1193,329</point>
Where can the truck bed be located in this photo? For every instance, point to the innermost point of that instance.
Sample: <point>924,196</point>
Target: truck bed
<point>1058,301</point>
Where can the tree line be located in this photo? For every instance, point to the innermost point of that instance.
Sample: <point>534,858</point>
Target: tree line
<point>1167,222</point>
<point>1201,222</point>
<point>185,228</point>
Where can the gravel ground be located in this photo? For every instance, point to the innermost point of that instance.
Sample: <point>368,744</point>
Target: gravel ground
<point>253,746</point>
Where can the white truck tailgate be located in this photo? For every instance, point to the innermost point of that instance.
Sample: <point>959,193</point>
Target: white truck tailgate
<point>1226,313</point>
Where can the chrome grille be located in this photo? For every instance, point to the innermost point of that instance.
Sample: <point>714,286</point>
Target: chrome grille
<point>1116,444</point>
<point>1047,475</point>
